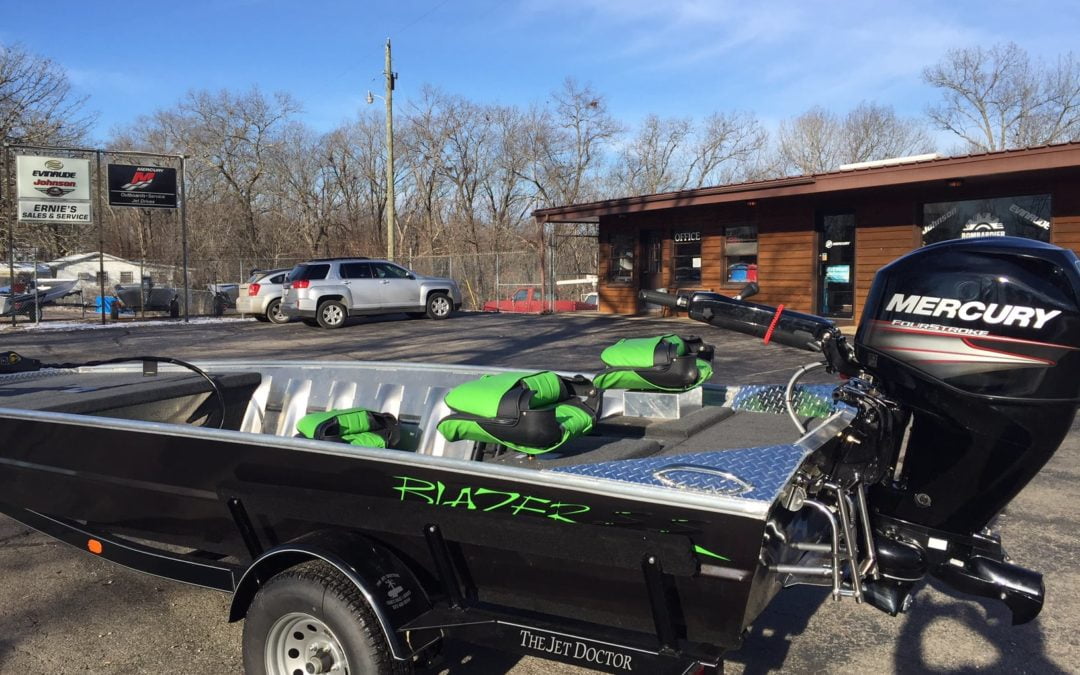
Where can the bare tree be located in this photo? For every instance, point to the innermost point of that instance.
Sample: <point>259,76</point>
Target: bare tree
<point>997,98</point>
<point>567,145</point>
<point>677,154</point>
<point>235,135</point>
<point>811,142</point>
<point>819,140</point>
<point>37,105</point>
<point>873,131</point>
<point>727,148</point>
<point>650,162</point>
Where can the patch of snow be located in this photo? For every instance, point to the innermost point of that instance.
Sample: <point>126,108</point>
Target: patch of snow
<point>50,326</point>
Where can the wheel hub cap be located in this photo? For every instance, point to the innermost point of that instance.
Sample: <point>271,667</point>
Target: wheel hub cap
<point>300,644</point>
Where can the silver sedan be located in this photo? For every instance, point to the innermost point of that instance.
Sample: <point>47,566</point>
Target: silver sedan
<point>261,295</point>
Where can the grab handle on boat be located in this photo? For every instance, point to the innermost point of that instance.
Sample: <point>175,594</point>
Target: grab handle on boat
<point>742,486</point>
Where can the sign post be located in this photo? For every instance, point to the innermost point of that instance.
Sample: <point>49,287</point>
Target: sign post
<point>11,232</point>
<point>101,238</point>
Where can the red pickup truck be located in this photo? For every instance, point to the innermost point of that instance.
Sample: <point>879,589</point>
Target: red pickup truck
<point>529,300</point>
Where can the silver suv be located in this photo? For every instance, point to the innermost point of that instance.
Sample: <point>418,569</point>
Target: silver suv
<point>326,291</point>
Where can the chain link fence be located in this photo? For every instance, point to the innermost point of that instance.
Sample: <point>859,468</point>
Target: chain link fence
<point>65,269</point>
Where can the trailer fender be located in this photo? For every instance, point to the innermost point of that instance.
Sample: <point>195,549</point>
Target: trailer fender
<point>389,587</point>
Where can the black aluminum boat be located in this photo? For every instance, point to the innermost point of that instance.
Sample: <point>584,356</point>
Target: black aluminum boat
<point>648,545</point>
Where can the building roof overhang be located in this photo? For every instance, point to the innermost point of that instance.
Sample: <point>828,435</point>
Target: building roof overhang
<point>1000,163</point>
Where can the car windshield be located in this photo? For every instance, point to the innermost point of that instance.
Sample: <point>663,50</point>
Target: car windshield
<point>302,272</point>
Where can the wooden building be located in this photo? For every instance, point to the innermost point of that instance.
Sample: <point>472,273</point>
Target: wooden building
<point>814,242</point>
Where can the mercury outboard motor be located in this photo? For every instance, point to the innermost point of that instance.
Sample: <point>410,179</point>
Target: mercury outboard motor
<point>966,367</point>
<point>980,340</point>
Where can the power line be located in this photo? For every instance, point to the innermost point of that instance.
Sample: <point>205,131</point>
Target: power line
<point>422,16</point>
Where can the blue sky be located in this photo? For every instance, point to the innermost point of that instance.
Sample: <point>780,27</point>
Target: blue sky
<point>672,58</point>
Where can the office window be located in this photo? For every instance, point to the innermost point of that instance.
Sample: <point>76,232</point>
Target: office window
<point>687,258</point>
<point>1027,216</point>
<point>740,254</point>
<point>621,264</point>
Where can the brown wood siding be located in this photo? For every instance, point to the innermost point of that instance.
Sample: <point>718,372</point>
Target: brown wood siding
<point>1065,229</point>
<point>786,250</point>
<point>887,227</point>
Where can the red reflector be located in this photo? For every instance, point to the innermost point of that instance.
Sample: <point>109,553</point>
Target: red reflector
<point>300,283</point>
<point>253,289</point>
<point>94,546</point>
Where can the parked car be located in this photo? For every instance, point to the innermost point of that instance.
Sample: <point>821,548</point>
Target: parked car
<point>529,300</point>
<point>326,291</point>
<point>261,295</point>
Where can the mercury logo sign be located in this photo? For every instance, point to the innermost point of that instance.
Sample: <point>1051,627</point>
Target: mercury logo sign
<point>992,313</point>
<point>140,180</point>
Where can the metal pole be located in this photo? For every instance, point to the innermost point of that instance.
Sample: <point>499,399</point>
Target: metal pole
<point>551,257</point>
<point>142,284</point>
<point>37,301</point>
<point>101,234</point>
<point>183,230</point>
<point>390,77</point>
<point>9,158</point>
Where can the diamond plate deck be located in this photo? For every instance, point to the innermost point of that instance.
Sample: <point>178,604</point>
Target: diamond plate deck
<point>757,474</point>
<point>811,400</point>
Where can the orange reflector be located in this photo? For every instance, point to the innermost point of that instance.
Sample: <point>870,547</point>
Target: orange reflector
<point>94,546</point>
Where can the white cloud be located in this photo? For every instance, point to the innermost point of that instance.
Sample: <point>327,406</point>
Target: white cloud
<point>94,80</point>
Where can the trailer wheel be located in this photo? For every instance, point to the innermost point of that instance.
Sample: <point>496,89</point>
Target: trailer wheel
<point>311,619</point>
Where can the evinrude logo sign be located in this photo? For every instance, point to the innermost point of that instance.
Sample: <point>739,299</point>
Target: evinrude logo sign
<point>973,310</point>
<point>53,189</point>
<point>142,186</point>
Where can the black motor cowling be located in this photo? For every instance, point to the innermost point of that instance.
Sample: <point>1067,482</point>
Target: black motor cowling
<point>981,340</point>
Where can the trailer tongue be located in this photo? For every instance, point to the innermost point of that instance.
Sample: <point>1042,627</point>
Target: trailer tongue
<point>598,519</point>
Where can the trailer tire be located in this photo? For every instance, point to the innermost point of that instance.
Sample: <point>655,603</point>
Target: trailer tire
<point>311,614</point>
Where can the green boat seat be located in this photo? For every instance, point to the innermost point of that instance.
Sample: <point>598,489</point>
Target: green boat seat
<point>355,426</point>
<point>664,363</point>
<point>532,413</point>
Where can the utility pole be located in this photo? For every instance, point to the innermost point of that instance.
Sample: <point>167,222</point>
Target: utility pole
<point>391,76</point>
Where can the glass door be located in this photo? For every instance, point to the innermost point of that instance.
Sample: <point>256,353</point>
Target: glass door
<point>651,277</point>
<point>836,264</point>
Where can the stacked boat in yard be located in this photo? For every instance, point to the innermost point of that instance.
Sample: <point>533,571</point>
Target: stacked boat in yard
<point>360,513</point>
<point>29,298</point>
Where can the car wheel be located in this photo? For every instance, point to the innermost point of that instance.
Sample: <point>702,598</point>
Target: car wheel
<point>439,306</point>
<point>312,619</point>
<point>331,314</point>
<point>273,312</point>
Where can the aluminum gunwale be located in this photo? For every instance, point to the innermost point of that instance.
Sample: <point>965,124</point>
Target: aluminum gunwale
<point>831,427</point>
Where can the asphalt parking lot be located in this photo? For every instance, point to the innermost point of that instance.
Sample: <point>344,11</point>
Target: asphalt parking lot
<point>63,611</point>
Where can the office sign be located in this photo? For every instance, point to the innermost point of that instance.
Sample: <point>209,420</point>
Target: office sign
<point>142,186</point>
<point>53,189</point>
